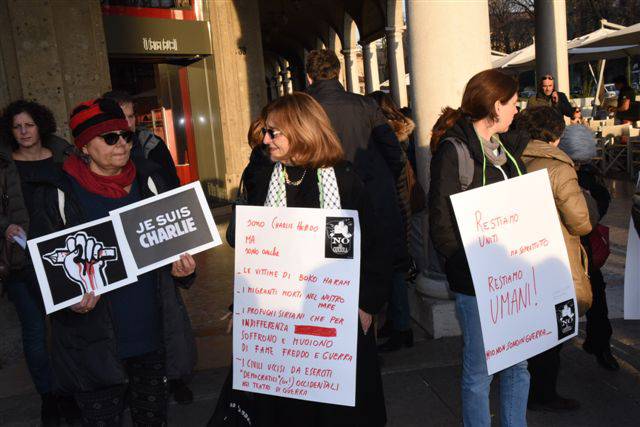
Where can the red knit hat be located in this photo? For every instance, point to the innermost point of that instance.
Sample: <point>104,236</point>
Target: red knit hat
<point>94,118</point>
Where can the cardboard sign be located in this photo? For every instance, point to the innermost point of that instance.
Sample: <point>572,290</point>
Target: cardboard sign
<point>632,275</point>
<point>161,228</point>
<point>632,272</point>
<point>77,260</point>
<point>520,268</point>
<point>297,279</point>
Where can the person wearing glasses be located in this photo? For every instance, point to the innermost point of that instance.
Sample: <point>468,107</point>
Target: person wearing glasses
<point>37,156</point>
<point>150,146</point>
<point>308,170</point>
<point>548,96</point>
<point>118,345</point>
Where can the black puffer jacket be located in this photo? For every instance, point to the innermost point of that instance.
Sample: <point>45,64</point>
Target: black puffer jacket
<point>84,350</point>
<point>371,145</point>
<point>445,182</point>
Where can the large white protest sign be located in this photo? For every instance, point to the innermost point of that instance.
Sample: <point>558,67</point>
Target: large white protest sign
<point>161,228</point>
<point>632,275</point>
<point>297,276</point>
<point>520,268</point>
<point>77,260</point>
<point>632,272</point>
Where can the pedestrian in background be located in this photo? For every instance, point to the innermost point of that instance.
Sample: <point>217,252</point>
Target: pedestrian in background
<point>545,127</point>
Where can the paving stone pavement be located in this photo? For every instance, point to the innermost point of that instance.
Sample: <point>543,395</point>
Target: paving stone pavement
<point>421,383</point>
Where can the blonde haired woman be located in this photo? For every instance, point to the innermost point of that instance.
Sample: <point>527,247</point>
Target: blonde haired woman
<point>309,171</point>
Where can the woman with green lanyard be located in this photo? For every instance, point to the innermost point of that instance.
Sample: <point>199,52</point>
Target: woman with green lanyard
<point>308,171</point>
<point>487,110</point>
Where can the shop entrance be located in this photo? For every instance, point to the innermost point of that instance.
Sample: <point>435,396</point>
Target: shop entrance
<point>163,105</point>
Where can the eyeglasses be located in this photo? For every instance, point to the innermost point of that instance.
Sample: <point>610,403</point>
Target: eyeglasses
<point>273,134</point>
<point>112,138</point>
<point>547,77</point>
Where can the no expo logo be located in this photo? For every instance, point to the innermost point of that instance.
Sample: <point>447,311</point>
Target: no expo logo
<point>339,238</point>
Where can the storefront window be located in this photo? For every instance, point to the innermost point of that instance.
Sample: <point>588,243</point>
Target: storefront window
<point>159,4</point>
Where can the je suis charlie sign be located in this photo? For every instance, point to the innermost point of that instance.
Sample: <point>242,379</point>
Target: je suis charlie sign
<point>103,255</point>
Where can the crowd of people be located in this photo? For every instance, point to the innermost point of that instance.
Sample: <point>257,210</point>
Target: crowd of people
<point>326,148</point>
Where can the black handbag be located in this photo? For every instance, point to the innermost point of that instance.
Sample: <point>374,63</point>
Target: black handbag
<point>235,408</point>
<point>241,199</point>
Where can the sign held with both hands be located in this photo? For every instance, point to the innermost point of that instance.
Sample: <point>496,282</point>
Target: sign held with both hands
<point>106,254</point>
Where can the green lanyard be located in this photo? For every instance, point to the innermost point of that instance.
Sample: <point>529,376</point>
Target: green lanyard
<point>282,187</point>
<point>321,189</point>
<point>484,159</point>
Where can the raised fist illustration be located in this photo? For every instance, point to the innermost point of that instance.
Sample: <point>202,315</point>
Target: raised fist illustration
<point>84,260</point>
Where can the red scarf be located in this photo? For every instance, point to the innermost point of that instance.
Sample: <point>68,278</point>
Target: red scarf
<point>107,186</point>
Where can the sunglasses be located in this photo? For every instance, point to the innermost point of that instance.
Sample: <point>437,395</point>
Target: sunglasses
<point>273,134</point>
<point>547,77</point>
<point>112,138</point>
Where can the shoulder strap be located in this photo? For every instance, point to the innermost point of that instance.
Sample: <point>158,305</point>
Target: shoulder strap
<point>61,203</point>
<point>465,163</point>
<point>152,186</point>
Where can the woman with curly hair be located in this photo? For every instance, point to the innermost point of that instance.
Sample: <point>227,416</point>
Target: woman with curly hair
<point>37,156</point>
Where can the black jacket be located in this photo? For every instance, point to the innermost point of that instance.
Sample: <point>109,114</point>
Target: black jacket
<point>147,145</point>
<point>84,353</point>
<point>445,182</point>
<point>371,145</point>
<point>375,279</point>
<point>12,207</point>
<point>563,106</point>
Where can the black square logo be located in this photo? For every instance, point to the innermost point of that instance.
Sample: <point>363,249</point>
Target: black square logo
<point>566,318</point>
<point>338,241</point>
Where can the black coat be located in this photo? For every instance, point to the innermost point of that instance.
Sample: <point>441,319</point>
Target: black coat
<point>370,407</point>
<point>12,208</point>
<point>371,145</point>
<point>84,354</point>
<point>445,182</point>
<point>563,106</point>
<point>147,145</point>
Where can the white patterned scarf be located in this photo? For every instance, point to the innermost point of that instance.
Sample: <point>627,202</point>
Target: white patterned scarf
<point>327,184</point>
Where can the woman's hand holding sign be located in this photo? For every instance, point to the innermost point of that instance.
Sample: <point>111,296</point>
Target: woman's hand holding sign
<point>87,303</point>
<point>184,267</point>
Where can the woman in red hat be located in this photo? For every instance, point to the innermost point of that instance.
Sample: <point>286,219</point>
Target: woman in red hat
<point>129,338</point>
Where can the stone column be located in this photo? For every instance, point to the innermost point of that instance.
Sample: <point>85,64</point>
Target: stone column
<point>439,73</point>
<point>395,52</point>
<point>239,76</point>
<point>551,42</point>
<point>371,77</point>
<point>53,52</point>
<point>285,73</point>
<point>351,67</point>
<point>273,87</point>
<point>282,89</point>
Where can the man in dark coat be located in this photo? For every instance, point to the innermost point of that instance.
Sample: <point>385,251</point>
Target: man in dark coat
<point>369,143</point>
<point>548,96</point>
<point>146,144</point>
